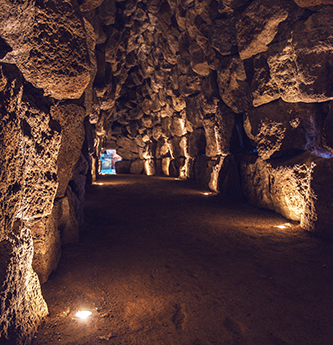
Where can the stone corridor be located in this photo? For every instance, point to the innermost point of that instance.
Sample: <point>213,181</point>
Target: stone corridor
<point>161,263</point>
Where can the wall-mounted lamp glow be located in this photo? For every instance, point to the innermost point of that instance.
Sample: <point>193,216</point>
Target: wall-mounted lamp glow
<point>83,314</point>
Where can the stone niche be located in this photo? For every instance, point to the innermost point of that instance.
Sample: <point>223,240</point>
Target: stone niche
<point>235,94</point>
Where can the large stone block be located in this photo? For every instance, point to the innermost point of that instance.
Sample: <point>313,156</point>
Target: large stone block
<point>127,144</point>
<point>233,87</point>
<point>178,124</point>
<point>48,42</point>
<point>11,158</point>
<point>281,128</point>
<point>264,89</point>
<point>299,189</point>
<point>321,188</point>
<point>223,35</point>
<point>123,167</point>
<point>212,137</point>
<point>71,118</point>
<point>225,119</point>
<point>197,143</point>
<point>228,179</point>
<point>302,66</point>
<point>22,306</point>
<point>282,188</point>
<point>40,143</point>
<point>194,113</point>
<point>328,129</point>
<point>68,224</point>
<point>258,26</point>
<point>137,167</point>
<point>47,245</point>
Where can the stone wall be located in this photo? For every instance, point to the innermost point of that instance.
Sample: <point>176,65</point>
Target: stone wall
<point>44,70</point>
<point>236,94</point>
<point>218,89</point>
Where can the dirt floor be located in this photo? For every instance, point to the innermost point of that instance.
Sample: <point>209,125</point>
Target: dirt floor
<point>161,263</point>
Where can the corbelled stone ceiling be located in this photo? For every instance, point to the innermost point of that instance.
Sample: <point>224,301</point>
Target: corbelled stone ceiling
<point>236,94</point>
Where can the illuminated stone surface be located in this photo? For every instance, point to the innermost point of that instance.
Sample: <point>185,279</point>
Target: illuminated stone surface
<point>49,45</point>
<point>190,89</point>
<point>258,26</point>
<point>22,306</point>
<point>70,118</point>
<point>281,128</point>
<point>29,147</point>
<point>301,66</point>
<point>296,188</point>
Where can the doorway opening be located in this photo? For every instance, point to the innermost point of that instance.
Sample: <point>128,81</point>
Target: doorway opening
<point>108,161</point>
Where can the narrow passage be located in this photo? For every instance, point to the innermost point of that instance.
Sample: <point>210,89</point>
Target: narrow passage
<point>161,263</point>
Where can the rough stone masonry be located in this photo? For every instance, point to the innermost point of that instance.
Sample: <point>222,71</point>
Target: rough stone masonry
<point>236,94</point>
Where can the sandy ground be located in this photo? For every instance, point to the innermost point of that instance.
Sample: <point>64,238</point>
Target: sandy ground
<point>160,263</point>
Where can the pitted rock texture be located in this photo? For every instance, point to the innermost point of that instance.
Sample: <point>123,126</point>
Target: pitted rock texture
<point>301,66</point>
<point>177,80</point>
<point>47,245</point>
<point>295,188</point>
<point>188,89</point>
<point>281,128</point>
<point>48,44</point>
<point>70,118</point>
<point>11,158</point>
<point>40,143</point>
<point>21,302</point>
<point>258,26</point>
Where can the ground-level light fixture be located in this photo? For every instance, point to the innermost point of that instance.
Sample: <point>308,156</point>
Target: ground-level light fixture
<point>283,226</point>
<point>209,193</point>
<point>83,314</point>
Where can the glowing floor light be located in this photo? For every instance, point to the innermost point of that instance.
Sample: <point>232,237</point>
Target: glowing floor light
<point>83,314</point>
<point>283,226</point>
